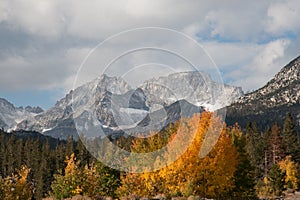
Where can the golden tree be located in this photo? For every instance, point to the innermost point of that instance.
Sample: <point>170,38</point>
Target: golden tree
<point>290,168</point>
<point>16,186</point>
<point>192,173</point>
<point>67,184</point>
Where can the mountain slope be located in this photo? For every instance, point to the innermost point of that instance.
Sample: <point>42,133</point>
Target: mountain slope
<point>270,103</point>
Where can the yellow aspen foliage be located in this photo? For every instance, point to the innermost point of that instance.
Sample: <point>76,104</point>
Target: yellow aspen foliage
<point>23,174</point>
<point>209,176</point>
<point>67,185</point>
<point>290,169</point>
<point>16,186</point>
<point>92,181</point>
<point>71,165</point>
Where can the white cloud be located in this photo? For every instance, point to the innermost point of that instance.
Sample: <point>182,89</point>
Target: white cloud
<point>264,65</point>
<point>72,27</point>
<point>41,18</point>
<point>99,19</point>
<point>4,9</point>
<point>229,56</point>
<point>283,17</point>
<point>233,23</point>
<point>34,72</point>
<point>270,54</point>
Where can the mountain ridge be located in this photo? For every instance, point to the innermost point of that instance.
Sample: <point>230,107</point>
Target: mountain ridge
<point>110,100</point>
<point>10,115</point>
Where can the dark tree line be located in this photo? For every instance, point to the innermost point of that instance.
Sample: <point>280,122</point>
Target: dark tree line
<point>268,149</point>
<point>44,157</point>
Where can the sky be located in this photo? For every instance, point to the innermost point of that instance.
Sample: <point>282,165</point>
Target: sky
<point>44,43</point>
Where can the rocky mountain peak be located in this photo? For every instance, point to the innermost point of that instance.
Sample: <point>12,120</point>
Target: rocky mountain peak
<point>35,110</point>
<point>115,85</point>
<point>6,106</point>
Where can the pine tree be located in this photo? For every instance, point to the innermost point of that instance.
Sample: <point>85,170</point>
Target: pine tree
<point>10,167</point>
<point>2,153</point>
<point>70,146</point>
<point>43,175</point>
<point>244,176</point>
<point>59,156</point>
<point>275,151</point>
<point>28,149</point>
<point>82,154</point>
<point>276,178</point>
<point>290,139</point>
<point>19,152</point>
<point>254,147</point>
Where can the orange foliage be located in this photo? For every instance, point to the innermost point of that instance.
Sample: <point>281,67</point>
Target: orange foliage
<point>209,176</point>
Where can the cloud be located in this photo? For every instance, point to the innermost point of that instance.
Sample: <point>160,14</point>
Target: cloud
<point>43,43</point>
<point>40,18</point>
<point>37,71</point>
<point>283,17</point>
<point>270,58</point>
<point>133,49</point>
<point>236,21</point>
<point>99,19</point>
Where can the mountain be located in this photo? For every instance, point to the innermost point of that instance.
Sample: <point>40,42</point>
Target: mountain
<point>270,103</point>
<point>10,115</point>
<point>111,105</point>
<point>196,87</point>
<point>58,121</point>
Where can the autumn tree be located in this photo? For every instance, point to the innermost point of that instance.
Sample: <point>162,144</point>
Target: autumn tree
<point>67,184</point>
<point>290,169</point>
<point>148,183</point>
<point>275,151</point>
<point>210,176</point>
<point>93,180</point>
<point>99,179</point>
<point>16,186</point>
